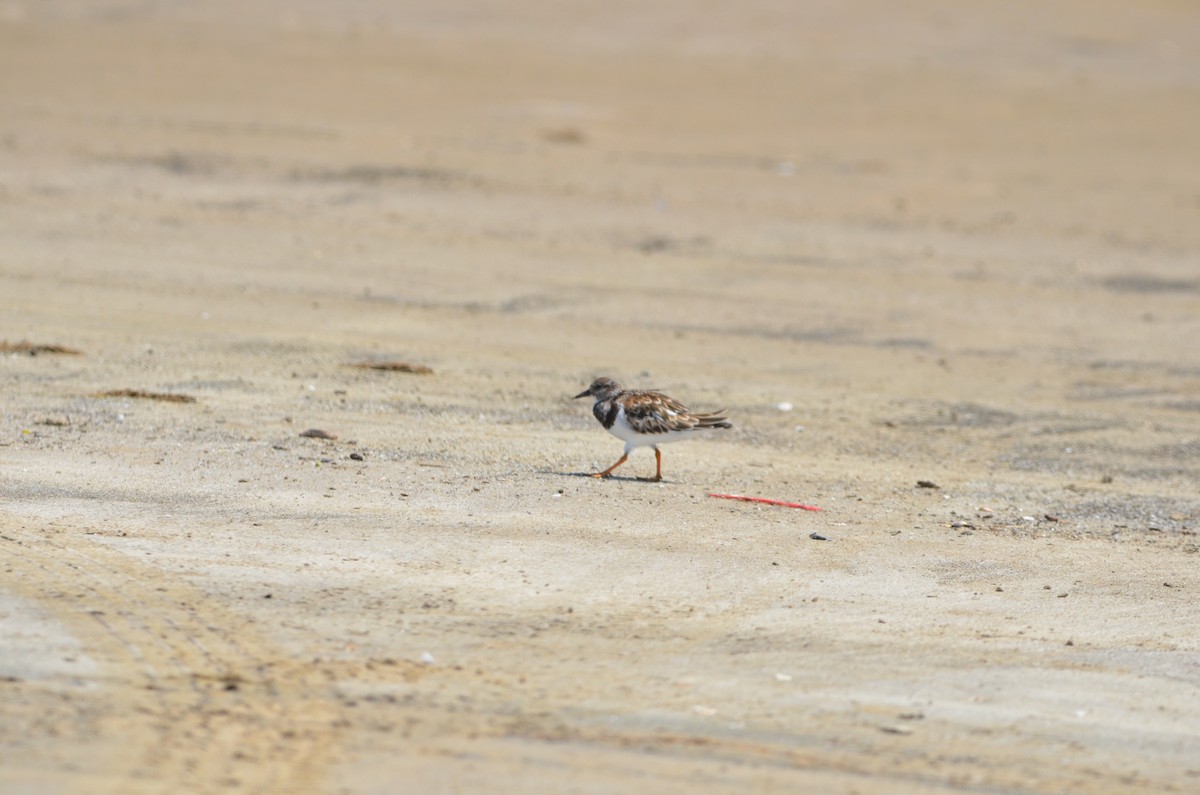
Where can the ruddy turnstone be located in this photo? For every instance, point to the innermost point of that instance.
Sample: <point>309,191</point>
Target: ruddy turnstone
<point>642,418</point>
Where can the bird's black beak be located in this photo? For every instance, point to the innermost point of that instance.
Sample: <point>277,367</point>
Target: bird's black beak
<point>584,393</point>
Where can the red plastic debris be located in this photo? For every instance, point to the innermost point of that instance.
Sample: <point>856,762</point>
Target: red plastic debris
<point>766,500</point>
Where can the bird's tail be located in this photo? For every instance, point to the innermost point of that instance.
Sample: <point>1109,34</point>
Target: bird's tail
<point>716,419</point>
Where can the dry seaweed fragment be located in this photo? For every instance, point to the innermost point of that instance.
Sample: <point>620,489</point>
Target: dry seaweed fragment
<point>141,393</point>
<point>33,348</point>
<point>395,367</point>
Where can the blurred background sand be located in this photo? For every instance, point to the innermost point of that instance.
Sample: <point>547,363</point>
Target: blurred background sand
<point>962,242</point>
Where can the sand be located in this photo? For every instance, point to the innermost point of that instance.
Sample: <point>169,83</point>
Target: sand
<point>932,242</point>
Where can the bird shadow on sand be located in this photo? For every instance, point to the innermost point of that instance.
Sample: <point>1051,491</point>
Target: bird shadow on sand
<point>591,476</point>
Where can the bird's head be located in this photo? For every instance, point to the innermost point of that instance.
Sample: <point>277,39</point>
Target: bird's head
<point>602,388</point>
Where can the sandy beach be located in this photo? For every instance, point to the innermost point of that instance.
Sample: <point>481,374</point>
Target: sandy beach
<point>939,262</point>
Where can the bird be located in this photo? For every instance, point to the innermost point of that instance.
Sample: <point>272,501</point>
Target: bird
<point>643,417</point>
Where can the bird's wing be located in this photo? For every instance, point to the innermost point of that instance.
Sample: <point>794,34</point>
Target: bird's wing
<point>654,412</point>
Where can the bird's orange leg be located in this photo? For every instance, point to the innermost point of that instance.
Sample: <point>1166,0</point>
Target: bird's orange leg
<point>658,463</point>
<point>608,471</point>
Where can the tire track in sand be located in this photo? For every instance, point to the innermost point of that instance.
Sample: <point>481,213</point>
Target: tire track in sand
<point>192,699</point>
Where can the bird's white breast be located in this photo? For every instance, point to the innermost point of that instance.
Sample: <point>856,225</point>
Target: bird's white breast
<point>623,431</point>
